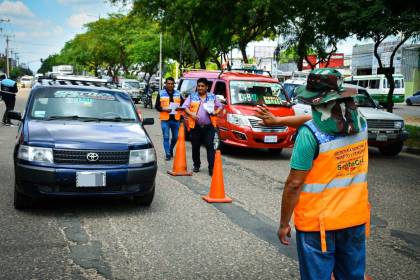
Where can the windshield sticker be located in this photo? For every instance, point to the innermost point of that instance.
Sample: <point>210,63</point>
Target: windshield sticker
<point>272,100</point>
<point>39,114</point>
<point>247,97</point>
<point>84,95</point>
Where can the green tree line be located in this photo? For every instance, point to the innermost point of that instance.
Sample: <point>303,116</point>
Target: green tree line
<point>199,32</point>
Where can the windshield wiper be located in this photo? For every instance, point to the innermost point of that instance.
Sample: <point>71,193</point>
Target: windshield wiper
<point>117,119</point>
<point>74,117</point>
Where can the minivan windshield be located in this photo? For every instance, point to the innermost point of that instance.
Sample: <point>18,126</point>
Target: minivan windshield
<point>133,84</point>
<point>252,93</point>
<point>84,105</point>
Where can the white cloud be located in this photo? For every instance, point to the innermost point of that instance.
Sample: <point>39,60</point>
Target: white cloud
<point>14,9</point>
<point>78,20</point>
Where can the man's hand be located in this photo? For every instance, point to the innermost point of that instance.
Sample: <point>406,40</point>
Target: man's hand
<point>284,234</point>
<point>166,110</point>
<point>194,116</point>
<point>263,113</point>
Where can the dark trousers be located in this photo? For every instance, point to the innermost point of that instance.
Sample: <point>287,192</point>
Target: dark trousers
<point>203,135</point>
<point>9,100</point>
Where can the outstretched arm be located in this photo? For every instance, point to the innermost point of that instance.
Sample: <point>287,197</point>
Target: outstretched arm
<point>269,119</point>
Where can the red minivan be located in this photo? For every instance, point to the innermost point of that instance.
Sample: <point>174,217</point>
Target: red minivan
<point>241,92</point>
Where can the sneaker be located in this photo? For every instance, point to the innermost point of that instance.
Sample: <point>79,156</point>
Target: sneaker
<point>168,157</point>
<point>196,169</point>
<point>211,172</point>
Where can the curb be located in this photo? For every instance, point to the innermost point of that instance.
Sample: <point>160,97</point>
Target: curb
<point>410,150</point>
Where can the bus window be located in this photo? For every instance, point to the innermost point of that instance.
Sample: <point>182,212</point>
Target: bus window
<point>384,83</point>
<point>397,83</point>
<point>374,83</point>
<point>363,83</point>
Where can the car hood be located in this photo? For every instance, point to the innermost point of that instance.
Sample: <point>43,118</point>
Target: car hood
<point>78,135</point>
<point>250,110</point>
<point>376,114</point>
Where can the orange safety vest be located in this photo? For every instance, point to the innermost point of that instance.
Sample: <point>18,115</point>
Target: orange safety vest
<point>164,103</point>
<point>335,193</point>
<point>195,105</point>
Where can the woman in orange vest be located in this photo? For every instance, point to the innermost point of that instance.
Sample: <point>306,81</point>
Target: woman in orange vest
<point>167,102</point>
<point>327,185</point>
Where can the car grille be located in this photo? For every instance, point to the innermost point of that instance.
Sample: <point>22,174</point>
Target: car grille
<point>256,126</point>
<point>388,124</point>
<point>80,157</point>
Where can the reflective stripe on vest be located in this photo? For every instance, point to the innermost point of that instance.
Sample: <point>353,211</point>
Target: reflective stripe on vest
<point>335,194</point>
<point>195,105</point>
<point>165,102</point>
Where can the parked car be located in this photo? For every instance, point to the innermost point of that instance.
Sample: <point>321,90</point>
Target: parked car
<point>414,99</point>
<point>241,92</point>
<point>385,130</point>
<point>27,81</point>
<point>82,141</point>
<point>133,87</point>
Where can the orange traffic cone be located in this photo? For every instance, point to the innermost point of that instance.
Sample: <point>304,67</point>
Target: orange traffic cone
<point>217,187</point>
<point>180,162</point>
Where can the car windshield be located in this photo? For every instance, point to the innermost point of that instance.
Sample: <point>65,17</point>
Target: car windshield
<point>188,86</point>
<point>290,89</point>
<point>131,84</point>
<point>85,105</point>
<point>362,99</point>
<point>252,93</point>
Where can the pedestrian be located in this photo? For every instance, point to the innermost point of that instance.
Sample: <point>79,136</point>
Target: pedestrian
<point>202,108</point>
<point>8,90</point>
<point>168,102</point>
<point>326,187</point>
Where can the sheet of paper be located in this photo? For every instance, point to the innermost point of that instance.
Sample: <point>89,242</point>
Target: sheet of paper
<point>173,106</point>
<point>209,107</point>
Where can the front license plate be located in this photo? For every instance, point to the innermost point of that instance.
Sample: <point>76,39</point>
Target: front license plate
<point>381,137</point>
<point>270,139</point>
<point>90,179</point>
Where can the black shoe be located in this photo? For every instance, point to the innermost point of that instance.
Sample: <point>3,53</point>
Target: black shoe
<point>196,169</point>
<point>211,172</point>
<point>168,157</point>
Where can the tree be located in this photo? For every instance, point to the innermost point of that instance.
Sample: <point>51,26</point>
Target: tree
<point>382,19</point>
<point>315,27</point>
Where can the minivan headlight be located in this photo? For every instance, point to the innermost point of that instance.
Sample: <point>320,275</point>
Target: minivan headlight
<point>398,124</point>
<point>237,119</point>
<point>36,154</point>
<point>142,156</point>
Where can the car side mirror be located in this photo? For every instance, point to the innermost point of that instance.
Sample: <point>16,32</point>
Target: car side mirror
<point>13,115</point>
<point>148,121</point>
<point>221,98</point>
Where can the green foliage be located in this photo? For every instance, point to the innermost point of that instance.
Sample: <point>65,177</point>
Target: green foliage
<point>17,72</point>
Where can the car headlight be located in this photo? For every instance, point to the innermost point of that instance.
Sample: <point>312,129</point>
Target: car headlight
<point>142,156</point>
<point>36,154</point>
<point>398,124</point>
<point>239,120</point>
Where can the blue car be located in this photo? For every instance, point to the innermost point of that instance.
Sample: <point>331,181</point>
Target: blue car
<point>413,100</point>
<point>82,141</point>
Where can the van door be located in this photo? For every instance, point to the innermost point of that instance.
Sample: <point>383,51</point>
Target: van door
<point>220,90</point>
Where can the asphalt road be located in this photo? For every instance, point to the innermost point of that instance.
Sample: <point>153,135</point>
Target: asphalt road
<point>182,237</point>
<point>404,110</point>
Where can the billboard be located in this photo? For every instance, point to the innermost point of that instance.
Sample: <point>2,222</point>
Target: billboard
<point>336,61</point>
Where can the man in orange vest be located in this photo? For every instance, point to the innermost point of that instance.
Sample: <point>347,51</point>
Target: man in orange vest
<point>326,187</point>
<point>167,102</point>
<point>202,108</point>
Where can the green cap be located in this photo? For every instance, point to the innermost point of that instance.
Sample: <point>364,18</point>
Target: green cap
<point>323,85</point>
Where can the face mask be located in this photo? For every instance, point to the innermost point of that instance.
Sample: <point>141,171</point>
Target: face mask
<point>338,117</point>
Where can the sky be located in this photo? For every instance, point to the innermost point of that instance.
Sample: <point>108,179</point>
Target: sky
<point>41,27</point>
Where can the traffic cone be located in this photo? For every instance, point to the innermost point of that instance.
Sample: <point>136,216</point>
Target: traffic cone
<point>217,187</point>
<point>180,162</point>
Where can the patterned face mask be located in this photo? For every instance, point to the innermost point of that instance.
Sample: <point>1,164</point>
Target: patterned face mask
<point>338,117</point>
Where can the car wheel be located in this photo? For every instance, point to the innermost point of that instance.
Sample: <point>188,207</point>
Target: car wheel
<point>409,103</point>
<point>276,151</point>
<point>144,200</point>
<point>22,201</point>
<point>392,149</point>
